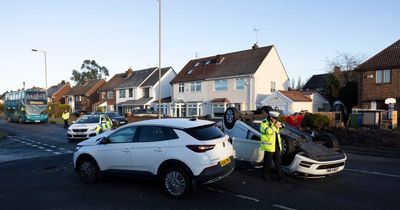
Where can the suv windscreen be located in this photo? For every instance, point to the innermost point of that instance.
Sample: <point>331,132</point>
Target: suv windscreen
<point>205,133</point>
<point>113,114</point>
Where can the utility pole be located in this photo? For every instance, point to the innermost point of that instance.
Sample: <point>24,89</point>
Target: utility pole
<point>159,59</point>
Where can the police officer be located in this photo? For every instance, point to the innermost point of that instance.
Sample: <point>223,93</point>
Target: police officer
<point>271,145</point>
<point>65,117</point>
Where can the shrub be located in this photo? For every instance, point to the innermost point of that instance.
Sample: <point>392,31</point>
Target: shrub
<point>315,121</point>
<point>100,109</point>
<point>56,110</point>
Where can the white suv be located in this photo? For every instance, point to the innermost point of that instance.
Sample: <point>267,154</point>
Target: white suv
<point>179,152</point>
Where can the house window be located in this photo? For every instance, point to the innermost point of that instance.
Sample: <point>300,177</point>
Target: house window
<point>386,76</point>
<point>103,95</point>
<point>195,86</point>
<point>196,64</point>
<point>130,92</point>
<point>146,92</point>
<point>239,84</point>
<point>273,88</point>
<point>189,72</point>
<point>207,62</point>
<point>218,110</point>
<point>221,84</point>
<point>181,87</point>
<point>378,77</point>
<point>122,93</point>
<point>193,110</point>
<point>110,94</point>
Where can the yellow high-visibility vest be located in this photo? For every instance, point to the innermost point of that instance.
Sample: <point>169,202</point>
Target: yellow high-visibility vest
<point>268,136</point>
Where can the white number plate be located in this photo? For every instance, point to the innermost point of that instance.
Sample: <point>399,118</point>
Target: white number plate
<point>122,123</point>
<point>37,120</point>
<point>332,170</point>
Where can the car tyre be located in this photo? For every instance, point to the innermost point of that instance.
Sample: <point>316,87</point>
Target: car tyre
<point>89,171</point>
<point>328,140</point>
<point>230,117</point>
<point>176,183</point>
<point>288,146</point>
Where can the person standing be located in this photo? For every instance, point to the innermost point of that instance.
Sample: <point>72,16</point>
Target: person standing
<point>271,145</point>
<point>65,117</point>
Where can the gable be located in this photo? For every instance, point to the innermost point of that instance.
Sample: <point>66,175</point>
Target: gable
<point>389,58</point>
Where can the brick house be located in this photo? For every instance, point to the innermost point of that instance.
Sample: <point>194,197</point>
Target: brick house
<point>83,96</point>
<point>380,78</point>
<point>56,93</point>
<point>107,93</point>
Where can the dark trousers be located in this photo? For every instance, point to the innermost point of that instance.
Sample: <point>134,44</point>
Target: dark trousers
<point>65,123</point>
<point>276,157</point>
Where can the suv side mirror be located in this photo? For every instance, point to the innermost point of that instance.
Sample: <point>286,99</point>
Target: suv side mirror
<point>105,140</point>
<point>73,122</point>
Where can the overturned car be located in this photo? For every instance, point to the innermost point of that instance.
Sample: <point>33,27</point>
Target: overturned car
<point>302,154</point>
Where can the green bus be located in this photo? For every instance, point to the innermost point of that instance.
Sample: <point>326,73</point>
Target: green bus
<point>26,106</point>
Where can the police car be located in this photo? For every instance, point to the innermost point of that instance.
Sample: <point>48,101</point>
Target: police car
<point>88,126</point>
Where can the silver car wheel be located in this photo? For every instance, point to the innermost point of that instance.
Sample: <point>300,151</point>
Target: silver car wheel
<point>88,172</point>
<point>175,183</point>
<point>229,116</point>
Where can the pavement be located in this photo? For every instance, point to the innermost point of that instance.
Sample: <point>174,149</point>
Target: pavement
<point>36,172</point>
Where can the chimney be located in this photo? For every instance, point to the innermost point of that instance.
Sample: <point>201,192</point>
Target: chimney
<point>128,72</point>
<point>336,69</point>
<point>218,59</point>
<point>255,46</point>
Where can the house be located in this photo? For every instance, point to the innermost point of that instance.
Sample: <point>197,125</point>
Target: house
<point>107,94</point>
<point>82,96</point>
<point>56,93</point>
<point>208,86</point>
<point>142,88</point>
<point>3,98</point>
<point>289,101</point>
<point>316,82</point>
<point>380,78</point>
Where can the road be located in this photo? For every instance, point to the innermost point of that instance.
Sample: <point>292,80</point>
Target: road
<point>36,172</point>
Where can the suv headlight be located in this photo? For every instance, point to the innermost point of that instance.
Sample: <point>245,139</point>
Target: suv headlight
<point>77,148</point>
<point>93,129</point>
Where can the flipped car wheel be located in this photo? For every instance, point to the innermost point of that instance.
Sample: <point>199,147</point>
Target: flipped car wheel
<point>230,117</point>
<point>287,146</point>
<point>176,183</point>
<point>89,171</point>
<point>328,140</point>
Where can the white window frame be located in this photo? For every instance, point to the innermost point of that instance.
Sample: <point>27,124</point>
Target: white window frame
<point>181,87</point>
<point>240,80</point>
<point>122,91</point>
<point>195,86</point>
<point>273,86</point>
<point>110,94</point>
<point>219,81</point>
<point>384,77</point>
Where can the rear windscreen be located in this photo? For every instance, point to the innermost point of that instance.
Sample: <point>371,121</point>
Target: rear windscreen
<point>205,133</point>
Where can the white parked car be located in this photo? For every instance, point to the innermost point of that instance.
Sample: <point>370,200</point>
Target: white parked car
<point>302,154</point>
<point>179,152</point>
<point>85,126</point>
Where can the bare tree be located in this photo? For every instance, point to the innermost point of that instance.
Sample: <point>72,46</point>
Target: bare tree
<point>299,85</point>
<point>345,61</point>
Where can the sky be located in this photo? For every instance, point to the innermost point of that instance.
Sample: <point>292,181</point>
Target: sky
<point>120,34</point>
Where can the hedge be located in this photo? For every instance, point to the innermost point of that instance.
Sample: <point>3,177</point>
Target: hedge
<point>315,121</point>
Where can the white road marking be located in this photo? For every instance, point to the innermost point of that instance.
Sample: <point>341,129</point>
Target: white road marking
<point>49,150</point>
<point>282,207</point>
<point>41,147</point>
<point>52,146</point>
<point>372,172</point>
<point>57,153</point>
<point>248,198</point>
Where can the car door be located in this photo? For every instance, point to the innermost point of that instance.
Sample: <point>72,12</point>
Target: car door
<point>246,143</point>
<point>150,148</point>
<point>116,153</point>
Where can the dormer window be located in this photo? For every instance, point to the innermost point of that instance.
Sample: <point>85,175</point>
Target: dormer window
<point>207,62</point>
<point>198,63</point>
<point>189,72</point>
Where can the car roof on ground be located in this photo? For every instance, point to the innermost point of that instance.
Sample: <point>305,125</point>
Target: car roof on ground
<point>179,123</point>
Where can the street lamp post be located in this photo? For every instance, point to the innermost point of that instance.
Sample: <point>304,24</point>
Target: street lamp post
<point>45,65</point>
<point>159,59</point>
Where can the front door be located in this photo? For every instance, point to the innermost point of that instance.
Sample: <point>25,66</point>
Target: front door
<point>246,143</point>
<point>117,153</point>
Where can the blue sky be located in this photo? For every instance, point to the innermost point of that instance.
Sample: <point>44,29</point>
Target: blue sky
<point>124,33</point>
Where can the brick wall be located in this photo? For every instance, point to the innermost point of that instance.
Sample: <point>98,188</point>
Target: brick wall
<point>370,91</point>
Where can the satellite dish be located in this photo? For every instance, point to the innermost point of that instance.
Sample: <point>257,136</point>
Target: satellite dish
<point>390,101</point>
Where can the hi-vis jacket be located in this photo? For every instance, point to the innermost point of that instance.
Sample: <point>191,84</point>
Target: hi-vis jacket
<point>103,126</point>
<point>65,116</point>
<point>268,135</point>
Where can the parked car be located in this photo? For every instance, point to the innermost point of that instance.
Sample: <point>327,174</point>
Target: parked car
<point>178,152</point>
<point>78,113</point>
<point>302,154</point>
<point>86,126</point>
<point>117,119</point>
<point>144,112</point>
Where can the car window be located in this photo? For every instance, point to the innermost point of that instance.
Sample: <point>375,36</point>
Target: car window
<point>123,136</point>
<point>155,133</point>
<point>88,119</point>
<point>253,136</point>
<point>205,133</point>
